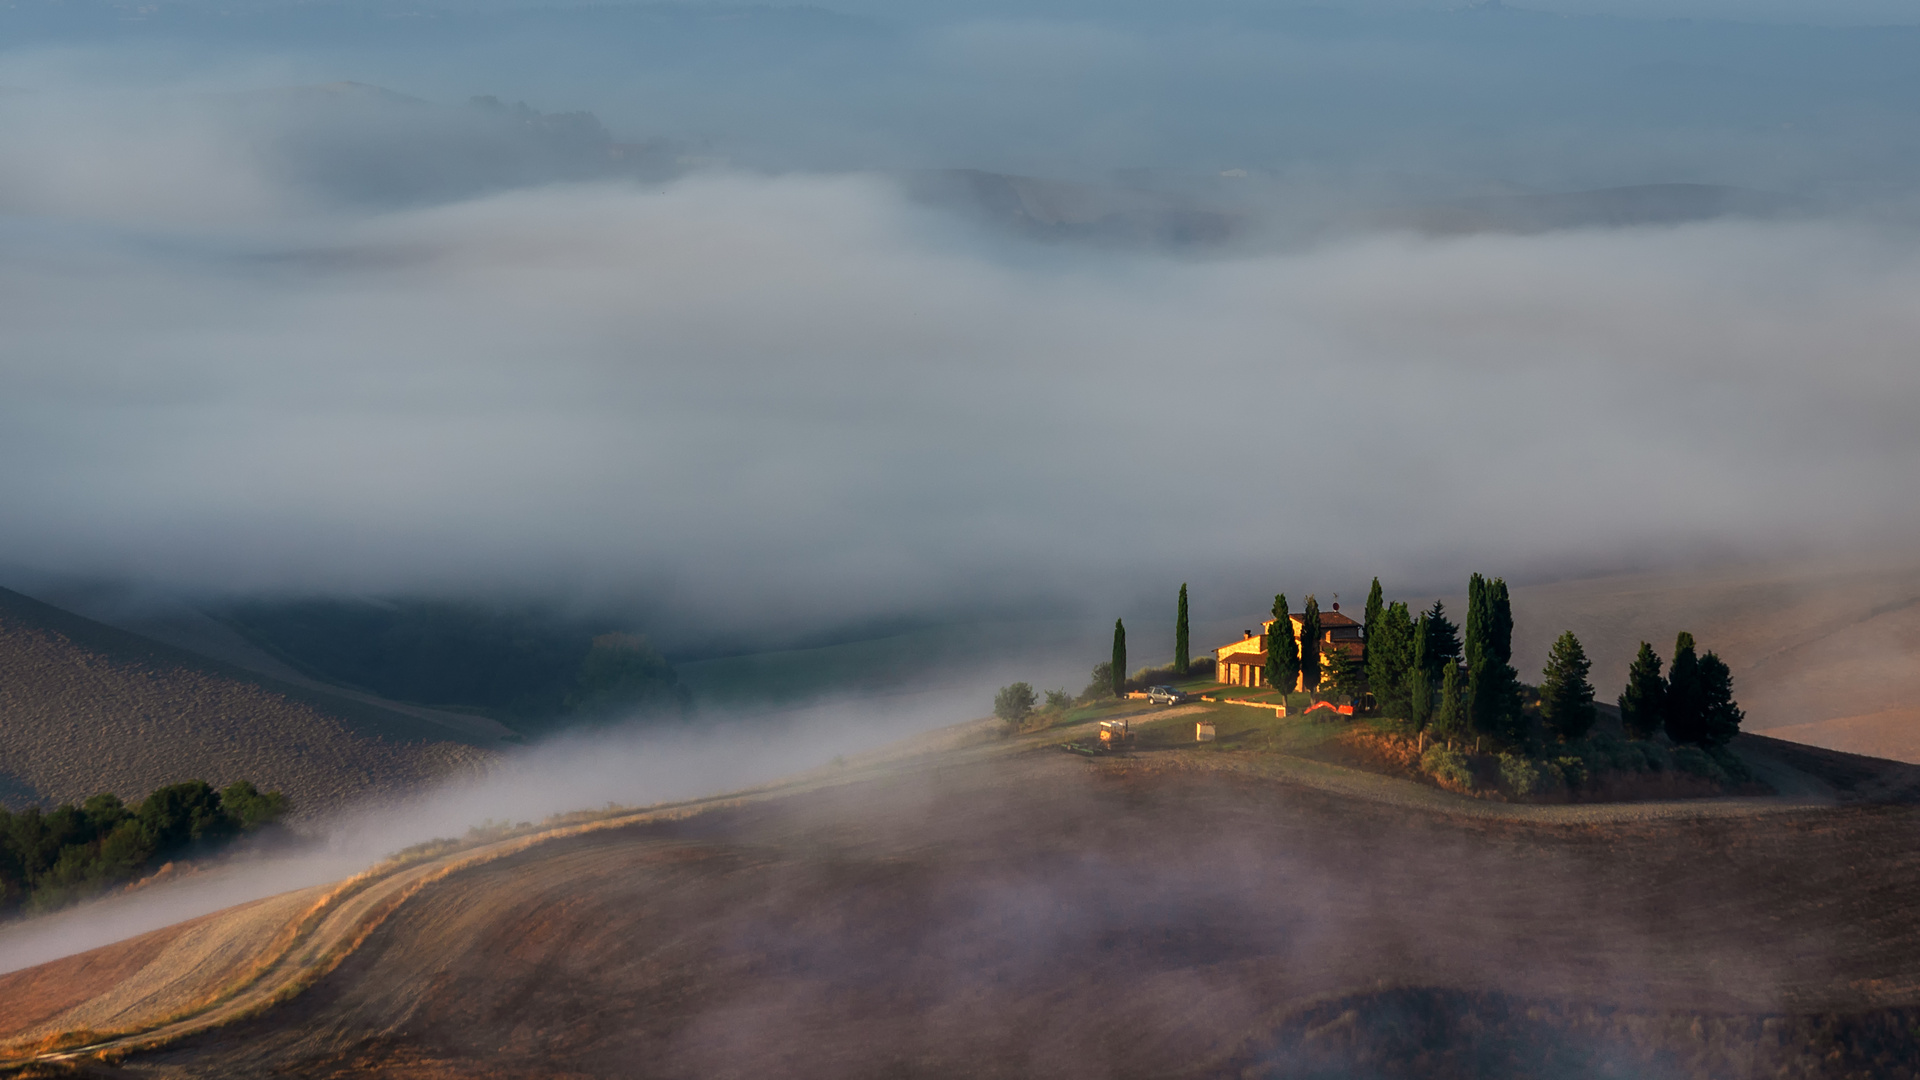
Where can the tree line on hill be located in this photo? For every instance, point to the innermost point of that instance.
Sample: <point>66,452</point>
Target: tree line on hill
<point>53,858</point>
<point>1420,669</point>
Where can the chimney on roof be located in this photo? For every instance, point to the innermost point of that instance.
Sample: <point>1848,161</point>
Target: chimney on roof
<point>1336,605</point>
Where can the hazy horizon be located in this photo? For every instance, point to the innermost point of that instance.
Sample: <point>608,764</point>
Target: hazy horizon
<point>734,348</point>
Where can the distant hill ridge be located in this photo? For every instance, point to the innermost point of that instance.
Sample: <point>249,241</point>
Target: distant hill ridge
<point>86,707</point>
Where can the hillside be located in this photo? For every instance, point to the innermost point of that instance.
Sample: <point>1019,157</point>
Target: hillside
<point>89,708</point>
<point>1003,909</point>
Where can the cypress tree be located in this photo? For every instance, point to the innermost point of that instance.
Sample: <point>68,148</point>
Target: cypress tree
<point>1119,658</point>
<point>1310,645</point>
<point>1719,716</point>
<point>1684,714</point>
<point>1420,677</point>
<point>1180,656</point>
<point>1376,603</point>
<point>1477,619</point>
<point>1493,687</point>
<point>1566,697</point>
<point>1499,621</point>
<point>1283,652</point>
<point>1493,703</point>
<point>1643,704</point>
<point>1390,648</point>
<point>1450,719</point>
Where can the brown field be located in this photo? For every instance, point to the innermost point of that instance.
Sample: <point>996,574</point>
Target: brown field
<point>1821,652</point>
<point>88,708</point>
<point>1009,910</point>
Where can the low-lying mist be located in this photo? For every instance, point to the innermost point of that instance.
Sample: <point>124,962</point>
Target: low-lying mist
<point>631,766</point>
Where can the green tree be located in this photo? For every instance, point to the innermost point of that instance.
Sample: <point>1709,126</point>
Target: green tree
<point>1499,621</point>
<point>1450,718</point>
<point>1283,651</point>
<point>250,806</point>
<point>1119,658</point>
<point>1493,686</point>
<point>1100,683</point>
<point>181,814</point>
<point>1310,645</point>
<point>1685,713</point>
<point>1059,700</point>
<point>1566,697</point>
<point>1347,672</point>
<point>1180,656</point>
<point>1719,716</point>
<point>1443,641</point>
<point>1390,660</point>
<point>1014,704</point>
<point>1376,603</point>
<point>1479,618</point>
<point>1494,707</point>
<point>1643,704</point>
<point>1420,676</point>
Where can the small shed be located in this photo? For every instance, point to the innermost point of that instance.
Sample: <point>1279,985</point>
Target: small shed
<point>1203,731</point>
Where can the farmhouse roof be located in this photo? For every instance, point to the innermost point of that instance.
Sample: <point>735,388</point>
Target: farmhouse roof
<point>1245,659</point>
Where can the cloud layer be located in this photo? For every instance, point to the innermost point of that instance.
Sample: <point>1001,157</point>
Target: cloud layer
<point>803,394</point>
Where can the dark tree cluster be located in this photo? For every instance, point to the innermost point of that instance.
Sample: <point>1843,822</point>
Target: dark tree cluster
<point>47,859</point>
<point>1693,704</point>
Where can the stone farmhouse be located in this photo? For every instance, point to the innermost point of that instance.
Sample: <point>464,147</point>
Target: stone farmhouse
<point>1244,662</point>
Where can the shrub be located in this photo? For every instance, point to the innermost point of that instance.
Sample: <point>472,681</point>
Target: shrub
<point>1447,765</point>
<point>1523,776</point>
<point>1573,771</point>
<point>1695,762</point>
<point>1059,700</point>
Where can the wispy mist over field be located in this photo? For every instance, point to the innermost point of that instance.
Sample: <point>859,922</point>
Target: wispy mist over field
<point>629,766</point>
<point>715,347</point>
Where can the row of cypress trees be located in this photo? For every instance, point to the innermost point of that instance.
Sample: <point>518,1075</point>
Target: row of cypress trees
<point>1420,670</point>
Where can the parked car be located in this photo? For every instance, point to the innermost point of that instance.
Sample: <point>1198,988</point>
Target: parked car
<point>1164,695</point>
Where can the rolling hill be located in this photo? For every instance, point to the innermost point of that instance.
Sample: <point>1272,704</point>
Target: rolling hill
<point>1002,909</point>
<point>88,708</point>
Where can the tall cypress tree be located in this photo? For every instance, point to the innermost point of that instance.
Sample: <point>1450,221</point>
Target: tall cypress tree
<point>1493,686</point>
<point>1180,656</point>
<point>1499,621</point>
<point>1376,603</point>
<point>1310,645</point>
<point>1477,619</point>
<point>1450,719</point>
<point>1719,716</point>
<point>1566,697</point>
<point>1643,704</point>
<point>1390,647</point>
<point>1420,677</point>
<point>1119,658</point>
<point>1684,713</point>
<point>1283,651</point>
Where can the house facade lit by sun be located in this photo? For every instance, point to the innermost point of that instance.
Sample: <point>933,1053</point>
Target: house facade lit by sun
<point>1244,662</point>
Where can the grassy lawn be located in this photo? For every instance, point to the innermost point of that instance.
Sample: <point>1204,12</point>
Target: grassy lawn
<point>1237,728</point>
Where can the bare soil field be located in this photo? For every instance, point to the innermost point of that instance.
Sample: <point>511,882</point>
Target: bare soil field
<point>1010,910</point>
<point>87,708</point>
